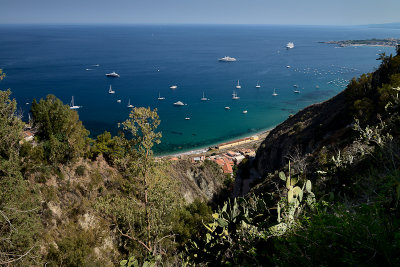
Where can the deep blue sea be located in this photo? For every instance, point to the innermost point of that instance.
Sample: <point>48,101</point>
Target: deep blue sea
<point>62,60</point>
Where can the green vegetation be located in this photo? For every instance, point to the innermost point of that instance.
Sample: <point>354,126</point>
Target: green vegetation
<point>351,216</point>
<point>67,200</point>
<point>19,208</point>
<point>59,130</point>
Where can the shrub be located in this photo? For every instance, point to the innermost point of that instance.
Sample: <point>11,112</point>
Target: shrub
<point>80,170</point>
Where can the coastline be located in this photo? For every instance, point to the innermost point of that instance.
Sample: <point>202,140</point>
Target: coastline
<point>203,150</point>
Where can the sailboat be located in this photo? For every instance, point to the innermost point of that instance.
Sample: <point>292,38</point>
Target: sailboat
<point>274,93</point>
<point>238,85</point>
<point>111,91</point>
<point>204,98</point>
<point>159,97</point>
<point>72,105</point>
<point>129,104</point>
<point>258,85</point>
<point>234,96</point>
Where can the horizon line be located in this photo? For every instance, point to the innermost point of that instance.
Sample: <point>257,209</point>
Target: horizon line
<point>185,24</point>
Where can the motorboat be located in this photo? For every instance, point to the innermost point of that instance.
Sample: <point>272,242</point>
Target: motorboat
<point>290,45</point>
<point>227,59</point>
<point>227,108</point>
<point>119,101</point>
<point>187,118</point>
<point>113,74</point>
<point>179,103</point>
<point>244,111</point>
<point>173,87</point>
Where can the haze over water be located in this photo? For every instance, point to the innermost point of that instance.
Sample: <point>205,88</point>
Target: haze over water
<point>62,60</point>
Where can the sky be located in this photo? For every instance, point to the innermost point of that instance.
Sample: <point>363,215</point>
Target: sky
<point>300,12</point>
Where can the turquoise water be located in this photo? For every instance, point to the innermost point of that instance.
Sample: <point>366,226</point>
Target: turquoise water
<point>61,60</point>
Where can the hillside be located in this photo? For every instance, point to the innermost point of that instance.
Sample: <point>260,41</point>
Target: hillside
<point>324,189</point>
<point>325,185</point>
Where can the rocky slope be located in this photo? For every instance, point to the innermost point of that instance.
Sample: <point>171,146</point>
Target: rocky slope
<point>325,124</point>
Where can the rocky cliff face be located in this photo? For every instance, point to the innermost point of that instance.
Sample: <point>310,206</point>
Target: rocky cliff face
<point>324,124</point>
<point>203,180</point>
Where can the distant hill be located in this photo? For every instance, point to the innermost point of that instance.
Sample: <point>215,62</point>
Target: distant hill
<point>394,25</point>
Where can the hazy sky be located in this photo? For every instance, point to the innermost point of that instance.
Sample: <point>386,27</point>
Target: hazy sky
<point>317,12</point>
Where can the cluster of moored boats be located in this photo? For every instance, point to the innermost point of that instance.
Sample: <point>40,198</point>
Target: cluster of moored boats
<point>173,87</point>
<point>235,96</point>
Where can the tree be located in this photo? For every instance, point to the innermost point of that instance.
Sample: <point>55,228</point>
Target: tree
<point>142,123</point>
<point>59,128</point>
<point>19,220</point>
<point>143,210</point>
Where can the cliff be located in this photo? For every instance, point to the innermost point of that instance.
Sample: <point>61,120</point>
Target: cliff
<point>324,124</point>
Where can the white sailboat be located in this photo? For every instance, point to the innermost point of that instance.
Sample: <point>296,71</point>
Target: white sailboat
<point>234,96</point>
<point>238,85</point>
<point>159,97</point>
<point>111,91</point>
<point>129,104</point>
<point>72,104</point>
<point>204,98</point>
<point>258,84</point>
<point>274,93</point>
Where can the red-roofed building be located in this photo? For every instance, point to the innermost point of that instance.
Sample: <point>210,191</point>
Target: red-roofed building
<point>227,168</point>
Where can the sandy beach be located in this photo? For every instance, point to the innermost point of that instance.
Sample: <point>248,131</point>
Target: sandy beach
<point>206,151</point>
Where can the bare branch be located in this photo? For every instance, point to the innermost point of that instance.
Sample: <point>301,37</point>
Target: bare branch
<point>17,259</point>
<point>135,239</point>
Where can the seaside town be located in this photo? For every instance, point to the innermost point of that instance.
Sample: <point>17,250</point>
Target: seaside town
<point>226,155</point>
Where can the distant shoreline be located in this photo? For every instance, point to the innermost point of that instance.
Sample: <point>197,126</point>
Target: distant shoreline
<point>388,42</point>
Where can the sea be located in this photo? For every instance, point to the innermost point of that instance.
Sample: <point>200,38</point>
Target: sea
<point>72,60</point>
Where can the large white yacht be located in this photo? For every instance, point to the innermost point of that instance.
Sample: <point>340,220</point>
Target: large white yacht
<point>290,45</point>
<point>112,74</point>
<point>227,59</point>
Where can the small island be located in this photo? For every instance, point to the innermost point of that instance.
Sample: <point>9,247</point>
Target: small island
<point>390,42</point>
